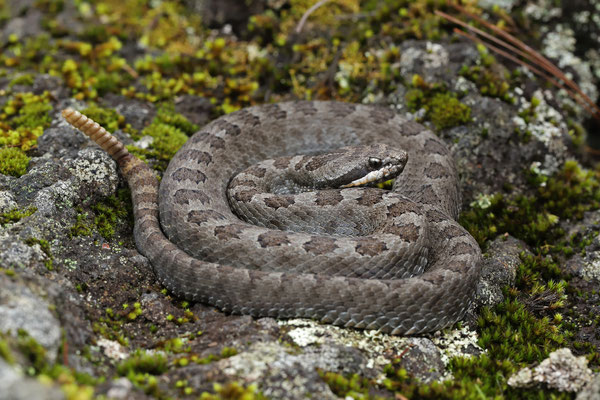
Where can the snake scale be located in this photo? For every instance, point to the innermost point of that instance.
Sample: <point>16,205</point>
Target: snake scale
<point>402,264</point>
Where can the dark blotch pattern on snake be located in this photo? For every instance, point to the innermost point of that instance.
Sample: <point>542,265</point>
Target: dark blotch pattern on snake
<point>402,264</point>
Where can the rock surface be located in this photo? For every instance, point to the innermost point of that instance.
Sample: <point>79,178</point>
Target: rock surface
<point>72,279</point>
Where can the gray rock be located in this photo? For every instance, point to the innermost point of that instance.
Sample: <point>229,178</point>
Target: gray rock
<point>586,266</point>
<point>280,373</point>
<point>14,386</point>
<point>23,26</point>
<point>7,201</point>
<point>61,141</point>
<point>197,109</point>
<point>215,13</point>
<point>423,360</point>
<point>120,389</point>
<point>20,308</point>
<point>15,253</point>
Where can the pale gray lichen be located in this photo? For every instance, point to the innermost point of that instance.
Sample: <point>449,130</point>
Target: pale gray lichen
<point>543,122</point>
<point>482,201</point>
<point>591,269</point>
<point>15,253</point>
<point>548,168</point>
<point>93,166</point>
<point>286,374</point>
<point>504,4</point>
<point>7,201</point>
<point>112,349</point>
<point>379,347</point>
<point>456,343</point>
<point>433,56</point>
<point>561,371</point>
<point>559,45</point>
<point>542,10</point>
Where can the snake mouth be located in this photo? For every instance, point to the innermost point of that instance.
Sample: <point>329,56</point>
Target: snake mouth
<point>381,175</point>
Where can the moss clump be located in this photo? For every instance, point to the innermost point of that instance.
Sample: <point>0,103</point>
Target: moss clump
<point>166,114</point>
<point>442,108</point>
<point>170,131</point>
<point>13,161</point>
<point>233,391</point>
<point>15,215</point>
<point>24,79</point>
<point>45,246</point>
<point>111,211</point>
<point>111,326</point>
<point>446,111</point>
<point>353,386</point>
<point>75,385</point>
<point>490,77</point>
<point>167,139</point>
<point>5,352</point>
<point>141,369</point>
<point>82,227</point>
<point>107,214</point>
<point>534,219</point>
<point>143,363</point>
<point>23,119</point>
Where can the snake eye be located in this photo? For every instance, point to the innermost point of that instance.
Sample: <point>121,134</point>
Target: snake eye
<point>375,162</point>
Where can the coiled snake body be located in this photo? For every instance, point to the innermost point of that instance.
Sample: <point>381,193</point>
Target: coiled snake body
<point>405,267</point>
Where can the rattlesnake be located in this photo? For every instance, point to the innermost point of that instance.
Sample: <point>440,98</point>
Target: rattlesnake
<point>202,251</point>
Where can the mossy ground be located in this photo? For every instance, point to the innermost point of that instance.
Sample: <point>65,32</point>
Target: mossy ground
<point>338,57</point>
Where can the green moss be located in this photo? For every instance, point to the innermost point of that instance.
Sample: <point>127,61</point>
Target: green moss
<point>167,139</point>
<point>166,114</point>
<point>141,369</point>
<point>15,215</point>
<point>13,161</point>
<point>137,311</point>
<point>534,219</point>
<point>577,132</point>
<point>107,215</point>
<point>110,211</point>
<point>488,82</point>
<point>5,351</point>
<point>23,119</point>
<point>24,79</point>
<point>170,131</point>
<point>82,227</point>
<point>233,391</point>
<point>75,385</point>
<point>490,77</point>
<point>226,352</point>
<point>33,351</point>
<point>143,363</point>
<point>45,246</point>
<point>442,108</point>
<point>446,111</point>
<point>353,386</point>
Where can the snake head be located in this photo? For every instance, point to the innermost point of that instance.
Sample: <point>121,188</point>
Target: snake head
<point>364,165</point>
